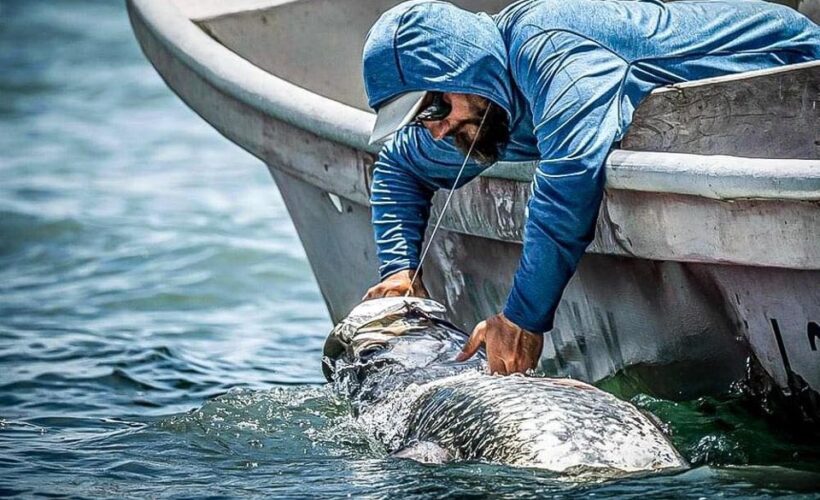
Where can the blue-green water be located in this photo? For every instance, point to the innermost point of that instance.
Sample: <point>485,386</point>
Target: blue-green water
<point>160,330</point>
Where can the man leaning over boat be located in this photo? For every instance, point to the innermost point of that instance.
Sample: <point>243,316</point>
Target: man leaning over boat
<point>546,79</point>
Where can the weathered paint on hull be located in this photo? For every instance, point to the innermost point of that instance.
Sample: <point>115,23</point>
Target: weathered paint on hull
<point>691,326</point>
<point>650,293</point>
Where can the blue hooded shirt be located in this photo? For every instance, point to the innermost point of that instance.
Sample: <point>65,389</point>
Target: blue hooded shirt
<point>569,75</point>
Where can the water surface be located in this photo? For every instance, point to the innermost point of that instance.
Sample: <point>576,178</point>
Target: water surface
<point>160,330</point>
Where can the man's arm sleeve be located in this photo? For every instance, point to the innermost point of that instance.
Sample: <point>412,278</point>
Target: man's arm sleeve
<point>400,205</point>
<point>572,85</point>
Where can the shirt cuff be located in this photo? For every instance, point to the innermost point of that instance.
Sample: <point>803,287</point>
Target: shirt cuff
<point>513,313</point>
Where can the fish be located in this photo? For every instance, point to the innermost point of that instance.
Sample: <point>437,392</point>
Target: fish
<point>392,361</point>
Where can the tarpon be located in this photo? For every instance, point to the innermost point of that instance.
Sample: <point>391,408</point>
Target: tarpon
<point>392,359</point>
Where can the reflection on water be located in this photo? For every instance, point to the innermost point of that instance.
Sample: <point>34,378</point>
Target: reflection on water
<point>160,331</point>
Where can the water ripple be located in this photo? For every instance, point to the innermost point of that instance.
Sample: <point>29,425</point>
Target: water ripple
<point>160,330</point>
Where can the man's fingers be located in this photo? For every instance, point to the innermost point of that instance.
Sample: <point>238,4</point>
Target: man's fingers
<point>473,343</point>
<point>378,292</point>
<point>520,366</point>
<point>497,365</point>
<point>396,285</point>
<point>374,293</point>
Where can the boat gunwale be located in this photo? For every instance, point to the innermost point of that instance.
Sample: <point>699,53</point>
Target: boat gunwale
<point>672,173</point>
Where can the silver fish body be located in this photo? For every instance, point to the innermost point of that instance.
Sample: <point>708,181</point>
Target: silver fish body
<point>392,359</point>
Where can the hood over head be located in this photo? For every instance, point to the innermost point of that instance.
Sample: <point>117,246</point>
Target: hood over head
<point>435,46</point>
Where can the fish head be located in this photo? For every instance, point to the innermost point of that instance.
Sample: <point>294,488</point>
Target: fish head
<point>404,333</point>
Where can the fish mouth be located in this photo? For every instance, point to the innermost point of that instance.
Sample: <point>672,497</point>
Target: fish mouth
<point>381,319</point>
<point>332,350</point>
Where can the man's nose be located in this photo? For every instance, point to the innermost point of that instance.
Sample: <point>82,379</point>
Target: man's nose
<point>439,129</point>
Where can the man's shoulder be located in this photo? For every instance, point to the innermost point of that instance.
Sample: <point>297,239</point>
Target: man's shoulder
<point>522,21</point>
<point>523,17</point>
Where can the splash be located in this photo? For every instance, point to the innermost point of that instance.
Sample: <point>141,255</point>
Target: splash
<point>245,421</point>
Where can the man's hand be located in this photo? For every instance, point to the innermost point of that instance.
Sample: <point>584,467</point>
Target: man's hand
<point>510,349</point>
<point>396,285</point>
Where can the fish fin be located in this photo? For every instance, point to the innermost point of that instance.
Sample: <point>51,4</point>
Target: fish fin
<point>425,452</point>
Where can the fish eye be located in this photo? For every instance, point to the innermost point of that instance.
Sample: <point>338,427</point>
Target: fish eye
<point>369,352</point>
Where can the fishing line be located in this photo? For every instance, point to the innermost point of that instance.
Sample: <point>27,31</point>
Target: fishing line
<point>447,201</point>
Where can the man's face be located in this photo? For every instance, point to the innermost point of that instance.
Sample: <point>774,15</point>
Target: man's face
<point>462,124</point>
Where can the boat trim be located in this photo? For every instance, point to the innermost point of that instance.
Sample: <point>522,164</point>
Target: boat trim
<point>718,177</point>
